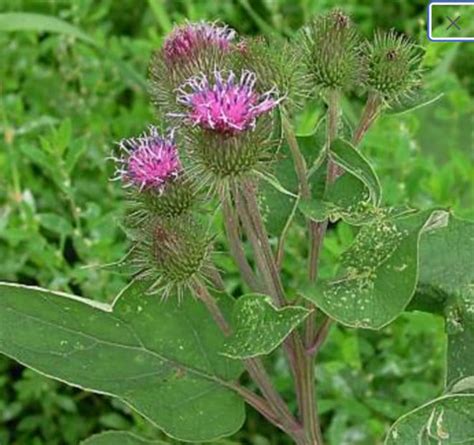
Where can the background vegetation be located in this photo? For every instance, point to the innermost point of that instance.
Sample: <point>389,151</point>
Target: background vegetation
<point>66,97</point>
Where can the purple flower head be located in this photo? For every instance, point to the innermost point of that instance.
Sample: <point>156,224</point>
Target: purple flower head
<point>185,40</point>
<point>149,161</point>
<point>225,106</point>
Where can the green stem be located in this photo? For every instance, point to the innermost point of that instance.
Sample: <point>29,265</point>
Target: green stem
<point>301,365</point>
<point>372,110</point>
<point>279,410</point>
<point>235,245</point>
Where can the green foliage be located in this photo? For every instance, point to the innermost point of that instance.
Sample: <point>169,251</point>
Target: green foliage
<point>446,420</point>
<point>152,355</point>
<point>119,437</point>
<point>445,286</point>
<point>259,327</point>
<point>378,273</point>
<point>57,222</point>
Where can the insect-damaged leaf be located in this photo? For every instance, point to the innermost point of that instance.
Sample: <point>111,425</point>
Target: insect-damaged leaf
<point>160,357</point>
<point>259,327</point>
<point>448,420</point>
<point>378,273</point>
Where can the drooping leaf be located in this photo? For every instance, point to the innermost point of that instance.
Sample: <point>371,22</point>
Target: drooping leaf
<point>353,197</point>
<point>446,286</point>
<point>259,327</point>
<point>159,357</point>
<point>378,273</point>
<point>448,420</point>
<point>343,153</point>
<point>119,438</point>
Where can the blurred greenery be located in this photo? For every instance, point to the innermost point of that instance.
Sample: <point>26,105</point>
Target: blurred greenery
<point>68,93</point>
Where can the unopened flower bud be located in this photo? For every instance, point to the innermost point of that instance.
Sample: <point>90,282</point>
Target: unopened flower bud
<point>276,65</point>
<point>393,66</point>
<point>332,51</point>
<point>190,49</point>
<point>185,42</point>
<point>170,254</point>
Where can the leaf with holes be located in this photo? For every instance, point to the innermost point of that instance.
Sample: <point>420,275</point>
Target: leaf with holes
<point>448,420</point>
<point>446,286</point>
<point>119,438</point>
<point>259,327</point>
<point>378,273</point>
<point>159,357</point>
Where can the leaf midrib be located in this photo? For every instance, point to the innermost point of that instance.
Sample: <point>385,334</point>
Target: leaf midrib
<point>141,348</point>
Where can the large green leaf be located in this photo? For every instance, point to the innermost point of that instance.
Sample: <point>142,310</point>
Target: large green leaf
<point>448,420</point>
<point>378,273</point>
<point>446,286</point>
<point>160,357</point>
<point>259,327</point>
<point>119,438</point>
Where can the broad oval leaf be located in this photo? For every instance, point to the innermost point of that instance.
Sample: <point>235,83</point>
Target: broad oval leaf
<point>119,438</point>
<point>259,327</point>
<point>446,286</point>
<point>378,273</point>
<point>448,420</point>
<point>160,357</point>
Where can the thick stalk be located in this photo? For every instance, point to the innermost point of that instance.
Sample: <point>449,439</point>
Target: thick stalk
<point>301,365</point>
<point>255,368</point>
<point>235,245</point>
<point>372,109</point>
<point>332,122</point>
<point>305,190</point>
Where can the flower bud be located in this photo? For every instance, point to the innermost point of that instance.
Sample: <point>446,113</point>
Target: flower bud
<point>276,65</point>
<point>170,254</point>
<point>190,49</point>
<point>393,66</point>
<point>332,51</point>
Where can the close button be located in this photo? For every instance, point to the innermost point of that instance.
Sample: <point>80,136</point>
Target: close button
<point>451,21</point>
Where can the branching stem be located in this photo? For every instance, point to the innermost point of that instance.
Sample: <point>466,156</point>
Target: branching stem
<point>277,410</point>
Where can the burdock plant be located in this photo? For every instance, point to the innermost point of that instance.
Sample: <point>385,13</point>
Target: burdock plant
<point>175,344</point>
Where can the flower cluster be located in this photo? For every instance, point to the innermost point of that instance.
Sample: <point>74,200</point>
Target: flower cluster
<point>220,93</point>
<point>217,111</point>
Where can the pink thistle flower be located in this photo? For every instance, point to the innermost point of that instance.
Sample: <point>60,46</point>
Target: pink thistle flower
<point>185,40</point>
<point>225,106</point>
<point>149,162</point>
